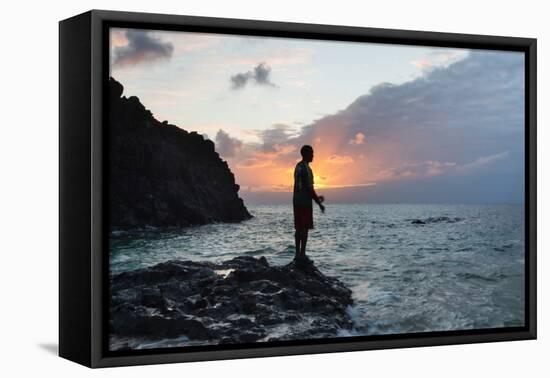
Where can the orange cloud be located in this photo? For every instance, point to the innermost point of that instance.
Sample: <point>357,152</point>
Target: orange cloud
<point>337,159</point>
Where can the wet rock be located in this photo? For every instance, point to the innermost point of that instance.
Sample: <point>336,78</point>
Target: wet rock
<point>255,302</point>
<point>151,297</point>
<point>441,219</point>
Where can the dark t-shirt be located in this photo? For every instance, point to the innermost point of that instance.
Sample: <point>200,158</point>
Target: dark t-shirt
<point>303,185</point>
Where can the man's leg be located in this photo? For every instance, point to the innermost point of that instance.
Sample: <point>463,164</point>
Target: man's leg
<point>298,240</point>
<point>304,242</point>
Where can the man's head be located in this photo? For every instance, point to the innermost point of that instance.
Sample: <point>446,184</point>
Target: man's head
<point>307,153</point>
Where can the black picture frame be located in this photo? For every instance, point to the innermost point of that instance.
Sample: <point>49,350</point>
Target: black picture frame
<point>83,76</point>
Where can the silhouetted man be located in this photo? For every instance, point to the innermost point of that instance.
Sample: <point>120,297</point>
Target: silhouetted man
<point>304,194</point>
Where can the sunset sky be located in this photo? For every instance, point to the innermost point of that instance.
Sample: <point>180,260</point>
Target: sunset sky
<point>388,123</point>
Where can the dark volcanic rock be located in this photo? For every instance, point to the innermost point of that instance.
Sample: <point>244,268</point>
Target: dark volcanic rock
<point>238,301</point>
<point>161,175</point>
<point>435,220</point>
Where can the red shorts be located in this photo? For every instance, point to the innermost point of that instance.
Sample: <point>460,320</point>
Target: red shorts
<point>303,217</point>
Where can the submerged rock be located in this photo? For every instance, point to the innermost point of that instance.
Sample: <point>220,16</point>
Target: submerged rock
<point>161,175</point>
<point>238,301</point>
<point>436,220</point>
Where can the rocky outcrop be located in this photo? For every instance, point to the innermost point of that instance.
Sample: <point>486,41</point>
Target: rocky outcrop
<point>238,301</point>
<point>435,220</point>
<point>162,175</point>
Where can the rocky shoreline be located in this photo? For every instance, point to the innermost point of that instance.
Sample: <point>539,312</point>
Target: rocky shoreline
<point>241,300</point>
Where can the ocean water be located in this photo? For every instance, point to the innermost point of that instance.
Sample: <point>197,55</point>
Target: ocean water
<point>412,268</point>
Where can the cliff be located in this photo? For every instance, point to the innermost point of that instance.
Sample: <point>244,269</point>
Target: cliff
<point>238,301</point>
<point>161,175</point>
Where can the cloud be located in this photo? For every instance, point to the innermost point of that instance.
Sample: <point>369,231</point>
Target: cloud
<point>439,58</point>
<point>418,169</point>
<point>451,124</point>
<point>359,138</point>
<point>337,159</point>
<point>117,37</point>
<point>435,168</point>
<point>483,161</point>
<point>259,75</point>
<point>142,47</point>
<point>422,63</point>
<point>278,135</point>
<point>471,108</point>
<point>227,146</point>
<point>239,80</point>
<point>254,163</point>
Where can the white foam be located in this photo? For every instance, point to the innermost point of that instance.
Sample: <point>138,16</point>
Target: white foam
<point>223,272</point>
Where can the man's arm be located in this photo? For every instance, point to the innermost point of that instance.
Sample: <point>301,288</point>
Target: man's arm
<point>318,199</point>
<point>315,197</point>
